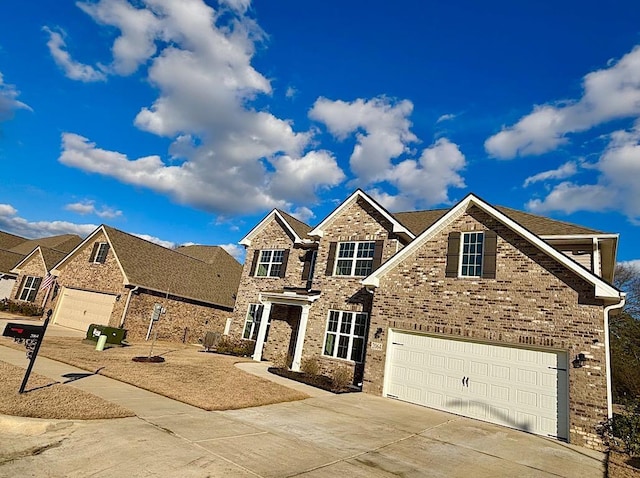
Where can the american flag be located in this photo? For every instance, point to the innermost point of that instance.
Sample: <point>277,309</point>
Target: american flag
<point>47,281</point>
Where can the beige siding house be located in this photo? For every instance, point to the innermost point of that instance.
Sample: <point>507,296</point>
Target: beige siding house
<point>482,311</point>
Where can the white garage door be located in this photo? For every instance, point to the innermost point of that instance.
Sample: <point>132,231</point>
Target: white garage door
<point>78,309</point>
<point>519,388</point>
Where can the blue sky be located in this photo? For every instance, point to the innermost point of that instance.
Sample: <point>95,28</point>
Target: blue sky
<point>186,121</point>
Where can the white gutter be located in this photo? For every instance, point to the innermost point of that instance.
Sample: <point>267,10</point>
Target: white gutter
<point>126,306</point>
<point>607,309</point>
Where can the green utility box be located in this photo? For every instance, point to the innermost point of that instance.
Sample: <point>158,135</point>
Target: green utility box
<point>114,334</point>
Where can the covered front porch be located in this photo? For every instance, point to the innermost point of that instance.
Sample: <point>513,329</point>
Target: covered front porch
<point>297,303</point>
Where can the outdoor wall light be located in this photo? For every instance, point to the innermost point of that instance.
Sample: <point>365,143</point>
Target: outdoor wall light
<point>579,361</point>
<point>118,297</point>
<point>378,333</point>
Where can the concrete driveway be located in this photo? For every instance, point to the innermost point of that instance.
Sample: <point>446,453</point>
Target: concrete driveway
<point>53,330</point>
<point>351,435</point>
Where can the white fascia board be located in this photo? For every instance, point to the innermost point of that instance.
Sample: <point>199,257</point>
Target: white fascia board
<point>16,269</point>
<point>396,226</point>
<point>551,237</point>
<point>246,240</point>
<point>602,288</point>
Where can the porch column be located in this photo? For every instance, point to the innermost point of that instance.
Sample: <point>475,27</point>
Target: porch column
<point>262,331</point>
<point>302,328</point>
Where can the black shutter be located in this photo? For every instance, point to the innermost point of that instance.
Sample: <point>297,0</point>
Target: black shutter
<point>24,278</point>
<point>453,255</point>
<point>254,264</point>
<point>377,255</point>
<point>489,255</point>
<point>94,252</point>
<point>331,258</point>
<point>285,259</point>
<point>306,267</point>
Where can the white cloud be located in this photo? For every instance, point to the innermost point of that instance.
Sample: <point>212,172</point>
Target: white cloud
<point>238,252</point>
<point>232,158</point>
<point>382,130</point>
<point>566,170</point>
<point>291,92</point>
<point>634,264</point>
<point>303,214</point>
<point>609,94</point>
<point>72,69</point>
<point>156,240</point>
<point>9,100</point>
<point>89,207</point>
<point>426,181</point>
<point>616,189</point>
<point>446,117</point>
<point>12,223</point>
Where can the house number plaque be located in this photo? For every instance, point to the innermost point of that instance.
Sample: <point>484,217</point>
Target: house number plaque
<point>376,345</point>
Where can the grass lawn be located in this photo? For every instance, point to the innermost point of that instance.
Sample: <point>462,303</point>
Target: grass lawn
<point>205,380</point>
<point>47,399</point>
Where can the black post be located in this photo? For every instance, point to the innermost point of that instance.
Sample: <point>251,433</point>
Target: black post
<point>35,352</point>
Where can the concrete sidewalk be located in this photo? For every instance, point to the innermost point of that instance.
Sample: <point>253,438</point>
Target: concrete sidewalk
<point>328,435</point>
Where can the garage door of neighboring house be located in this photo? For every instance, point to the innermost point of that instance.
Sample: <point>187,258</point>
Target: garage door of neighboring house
<point>6,286</point>
<point>516,387</point>
<point>78,309</point>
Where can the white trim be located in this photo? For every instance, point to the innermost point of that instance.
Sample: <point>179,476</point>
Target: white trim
<point>397,228</point>
<point>578,236</point>
<point>16,268</point>
<point>607,351</point>
<point>603,290</point>
<point>475,254</point>
<point>353,259</point>
<point>246,240</point>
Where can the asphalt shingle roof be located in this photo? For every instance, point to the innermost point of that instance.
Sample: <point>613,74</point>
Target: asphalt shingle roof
<point>7,241</point>
<point>419,221</point>
<point>63,243</point>
<point>155,267</point>
<point>299,227</point>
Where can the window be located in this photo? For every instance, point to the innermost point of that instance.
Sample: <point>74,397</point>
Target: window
<point>471,254</point>
<point>252,322</point>
<point>345,335</point>
<point>29,288</point>
<point>270,263</point>
<point>99,253</point>
<point>355,258</point>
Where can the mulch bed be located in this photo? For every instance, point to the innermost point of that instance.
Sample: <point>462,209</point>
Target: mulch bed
<point>622,466</point>
<point>318,381</point>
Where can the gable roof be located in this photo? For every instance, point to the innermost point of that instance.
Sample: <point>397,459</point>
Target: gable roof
<point>8,261</point>
<point>297,229</point>
<point>419,221</point>
<point>7,240</point>
<point>63,243</point>
<point>154,267</point>
<point>50,258</point>
<point>603,289</point>
<point>397,227</point>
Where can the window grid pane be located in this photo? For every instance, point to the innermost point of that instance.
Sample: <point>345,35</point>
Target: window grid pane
<point>471,263</point>
<point>270,263</point>
<point>345,335</point>
<point>355,258</point>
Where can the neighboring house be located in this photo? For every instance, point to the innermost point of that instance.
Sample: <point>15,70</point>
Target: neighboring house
<point>117,279</point>
<point>8,260</point>
<point>30,260</point>
<point>483,311</point>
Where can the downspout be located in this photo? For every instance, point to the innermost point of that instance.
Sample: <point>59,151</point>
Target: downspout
<point>607,309</point>
<point>126,306</point>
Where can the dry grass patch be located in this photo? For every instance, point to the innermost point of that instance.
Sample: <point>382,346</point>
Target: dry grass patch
<point>45,398</point>
<point>205,380</point>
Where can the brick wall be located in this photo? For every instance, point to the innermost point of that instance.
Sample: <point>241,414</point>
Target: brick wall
<point>534,301</point>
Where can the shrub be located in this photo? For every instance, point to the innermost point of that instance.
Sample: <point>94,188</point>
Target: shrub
<point>238,347</point>
<point>310,365</point>
<point>341,377</point>
<point>22,308</point>
<point>622,432</point>
<point>280,360</point>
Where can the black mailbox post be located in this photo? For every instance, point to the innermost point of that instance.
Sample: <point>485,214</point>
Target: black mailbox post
<point>32,336</point>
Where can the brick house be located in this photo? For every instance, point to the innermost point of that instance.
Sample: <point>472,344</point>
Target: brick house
<point>117,279</point>
<point>483,311</point>
<point>31,259</point>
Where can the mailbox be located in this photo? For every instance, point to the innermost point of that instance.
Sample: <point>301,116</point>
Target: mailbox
<point>23,331</point>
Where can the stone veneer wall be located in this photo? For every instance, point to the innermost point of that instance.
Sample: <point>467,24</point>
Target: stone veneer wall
<point>34,267</point>
<point>533,302</point>
<point>79,273</point>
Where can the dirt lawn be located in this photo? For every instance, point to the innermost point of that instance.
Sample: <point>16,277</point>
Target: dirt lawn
<point>205,380</point>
